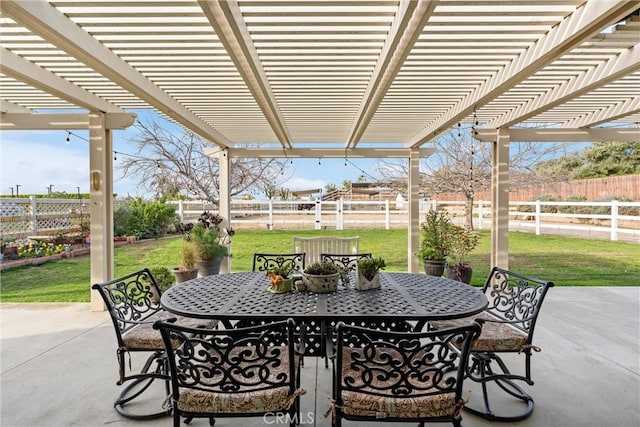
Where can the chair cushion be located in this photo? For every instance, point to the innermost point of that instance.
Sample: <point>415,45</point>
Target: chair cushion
<point>144,337</point>
<point>270,400</point>
<point>494,336</point>
<point>246,399</point>
<point>360,402</point>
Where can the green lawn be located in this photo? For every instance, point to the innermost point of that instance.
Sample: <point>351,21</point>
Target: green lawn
<point>566,261</point>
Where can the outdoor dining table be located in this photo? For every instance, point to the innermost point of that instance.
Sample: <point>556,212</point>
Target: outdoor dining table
<point>402,296</point>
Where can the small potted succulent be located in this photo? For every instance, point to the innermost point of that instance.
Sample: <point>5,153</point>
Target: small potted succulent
<point>368,276</point>
<point>321,277</point>
<point>283,271</point>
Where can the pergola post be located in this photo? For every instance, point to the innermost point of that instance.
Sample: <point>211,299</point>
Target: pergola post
<point>101,203</point>
<point>500,201</point>
<point>414,210</point>
<point>224,206</point>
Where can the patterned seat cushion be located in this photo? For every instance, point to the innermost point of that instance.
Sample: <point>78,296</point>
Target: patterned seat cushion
<point>246,399</point>
<point>360,402</point>
<point>494,336</point>
<point>143,336</point>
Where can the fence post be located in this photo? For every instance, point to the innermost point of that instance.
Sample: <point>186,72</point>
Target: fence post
<point>538,219</point>
<point>480,215</point>
<point>270,223</point>
<point>181,210</point>
<point>339,214</point>
<point>387,219</point>
<point>318,225</point>
<point>33,223</point>
<point>614,219</point>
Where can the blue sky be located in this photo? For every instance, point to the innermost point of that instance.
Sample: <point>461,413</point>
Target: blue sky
<point>37,159</point>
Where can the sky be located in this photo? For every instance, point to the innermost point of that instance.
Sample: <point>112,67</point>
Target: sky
<point>36,160</point>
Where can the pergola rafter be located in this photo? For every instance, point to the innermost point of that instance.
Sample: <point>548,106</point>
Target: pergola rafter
<point>291,78</point>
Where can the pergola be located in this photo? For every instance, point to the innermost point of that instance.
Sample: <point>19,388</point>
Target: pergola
<point>293,78</point>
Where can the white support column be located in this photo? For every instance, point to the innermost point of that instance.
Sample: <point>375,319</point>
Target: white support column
<point>181,210</point>
<point>224,206</point>
<point>414,211</point>
<point>270,224</point>
<point>500,201</point>
<point>101,204</point>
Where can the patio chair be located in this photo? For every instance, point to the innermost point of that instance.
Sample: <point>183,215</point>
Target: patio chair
<point>133,302</point>
<point>264,262</point>
<point>400,376</point>
<point>243,372</point>
<point>345,261</point>
<point>508,326</point>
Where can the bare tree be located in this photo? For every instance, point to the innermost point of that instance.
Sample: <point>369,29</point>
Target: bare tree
<point>462,165</point>
<point>169,164</point>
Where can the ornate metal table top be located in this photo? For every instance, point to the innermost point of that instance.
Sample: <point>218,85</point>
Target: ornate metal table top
<point>404,295</point>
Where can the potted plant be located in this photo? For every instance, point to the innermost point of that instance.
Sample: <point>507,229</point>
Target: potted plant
<point>463,241</point>
<point>283,271</point>
<point>368,269</point>
<point>210,250</point>
<point>321,277</point>
<point>186,270</point>
<point>436,242</point>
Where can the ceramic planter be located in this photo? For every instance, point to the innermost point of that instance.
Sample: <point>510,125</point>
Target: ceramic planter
<point>321,283</point>
<point>364,284</point>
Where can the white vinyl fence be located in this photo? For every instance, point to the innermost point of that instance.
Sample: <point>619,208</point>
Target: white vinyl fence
<point>20,217</point>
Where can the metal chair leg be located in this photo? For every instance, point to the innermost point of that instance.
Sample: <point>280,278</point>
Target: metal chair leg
<point>481,371</point>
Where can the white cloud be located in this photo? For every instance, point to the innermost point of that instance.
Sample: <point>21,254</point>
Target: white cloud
<point>299,183</point>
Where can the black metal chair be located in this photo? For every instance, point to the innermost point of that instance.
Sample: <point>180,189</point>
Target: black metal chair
<point>400,376</point>
<point>133,302</point>
<point>508,326</point>
<point>264,262</point>
<point>346,262</point>
<point>242,372</point>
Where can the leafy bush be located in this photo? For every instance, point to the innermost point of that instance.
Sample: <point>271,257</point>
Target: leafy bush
<point>121,216</point>
<point>163,276</point>
<point>150,219</point>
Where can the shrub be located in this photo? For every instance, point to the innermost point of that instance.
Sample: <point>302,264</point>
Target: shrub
<point>150,219</point>
<point>163,276</point>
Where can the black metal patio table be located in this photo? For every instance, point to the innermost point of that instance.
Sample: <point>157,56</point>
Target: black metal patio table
<point>404,296</point>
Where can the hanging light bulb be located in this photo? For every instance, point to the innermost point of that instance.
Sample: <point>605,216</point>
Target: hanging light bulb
<point>319,161</point>
<point>114,156</point>
<point>68,137</point>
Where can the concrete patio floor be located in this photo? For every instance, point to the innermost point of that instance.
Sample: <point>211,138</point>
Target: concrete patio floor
<point>59,367</point>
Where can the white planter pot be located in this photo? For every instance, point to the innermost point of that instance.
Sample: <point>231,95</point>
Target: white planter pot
<point>363,284</point>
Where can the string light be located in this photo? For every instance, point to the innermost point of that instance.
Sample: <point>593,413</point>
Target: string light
<point>68,137</point>
<point>319,161</point>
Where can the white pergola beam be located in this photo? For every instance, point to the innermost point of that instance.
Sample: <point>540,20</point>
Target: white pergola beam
<point>607,72</point>
<point>10,107</point>
<point>613,112</point>
<point>227,21</point>
<point>63,121</point>
<point>590,19</point>
<point>45,20</point>
<point>303,153</point>
<point>562,135</point>
<point>20,69</point>
<point>407,27</point>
